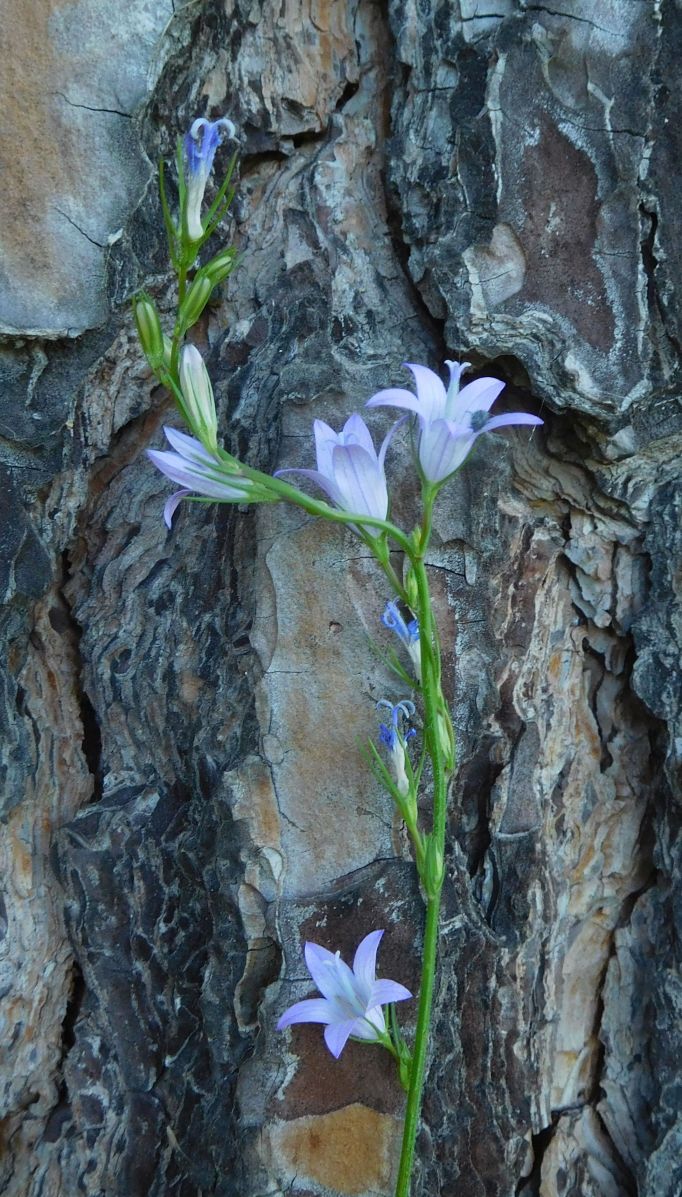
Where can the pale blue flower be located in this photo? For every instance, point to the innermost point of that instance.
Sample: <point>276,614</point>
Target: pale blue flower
<point>200,145</point>
<point>349,469</point>
<point>407,632</point>
<point>395,741</point>
<point>198,472</point>
<point>449,421</point>
<point>351,1000</point>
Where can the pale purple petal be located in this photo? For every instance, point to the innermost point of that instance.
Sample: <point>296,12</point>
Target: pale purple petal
<point>361,482</point>
<point>478,395</point>
<point>311,1010</point>
<point>328,485</point>
<point>356,432</point>
<point>194,477</point>
<point>516,417</point>
<point>443,446</point>
<point>385,991</point>
<point>325,439</point>
<point>396,397</point>
<point>365,960</point>
<point>188,447</point>
<point>322,966</point>
<point>171,505</point>
<point>430,390</point>
<point>336,1035</point>
<point>371,1026</point>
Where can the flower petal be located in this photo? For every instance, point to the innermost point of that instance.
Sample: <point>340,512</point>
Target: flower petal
<point>171,505</point>
<point>396,397</point>
<point>365,961</point>
<point>188,447</point>
<point>322,966</point>
<point>325,439</point>
<point>515,417</point>
<point>356,432</point>
<point>443,446</point>
<point>196,478</point>
<point>371,1026</point>
<point>361,481</point>
<point>430,390</point>
<point>311,1010</point>
<point>336,1035</point>
<point>478,395</point>
<point>385,991</point>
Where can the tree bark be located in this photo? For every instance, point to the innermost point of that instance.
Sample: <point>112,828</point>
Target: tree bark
<point>185,801</point>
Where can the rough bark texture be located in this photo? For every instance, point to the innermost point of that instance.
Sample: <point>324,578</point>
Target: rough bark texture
<point>184,801</point>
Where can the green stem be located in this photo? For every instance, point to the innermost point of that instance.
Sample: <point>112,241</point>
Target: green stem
<point>175,343</point>
<point>421,1042</point>
<point>432,703</point>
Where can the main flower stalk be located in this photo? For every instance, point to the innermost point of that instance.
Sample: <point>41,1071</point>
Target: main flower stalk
<point>431,877</point>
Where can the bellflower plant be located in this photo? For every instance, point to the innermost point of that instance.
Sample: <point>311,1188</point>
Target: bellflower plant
<point>450,422</point>
<point>351,473</point>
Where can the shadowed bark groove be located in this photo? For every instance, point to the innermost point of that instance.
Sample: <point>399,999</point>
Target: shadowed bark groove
<point>184,801</point>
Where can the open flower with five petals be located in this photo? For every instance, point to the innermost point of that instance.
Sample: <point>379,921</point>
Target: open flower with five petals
<point>450,421</point>
<point>352,999</point>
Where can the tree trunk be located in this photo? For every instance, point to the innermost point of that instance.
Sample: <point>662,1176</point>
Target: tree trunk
<point>185,799</point>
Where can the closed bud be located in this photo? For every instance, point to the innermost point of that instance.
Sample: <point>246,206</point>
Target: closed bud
<point>149,330</point>
<point>446,740</point>
<point>220,267</point>
<point>198,397</point>
<point>434,867</point>
<point>195,301</point>
<point>412,590</point>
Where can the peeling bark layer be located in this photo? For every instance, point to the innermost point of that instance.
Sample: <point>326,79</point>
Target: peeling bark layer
<point>184,802</point>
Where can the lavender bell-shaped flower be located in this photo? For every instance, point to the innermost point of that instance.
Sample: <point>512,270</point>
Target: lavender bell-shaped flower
<point>349,469</point>
<point>198,472</point>
<point>350,1006</point>
<point>450,421</point>
<point>200,145</point>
